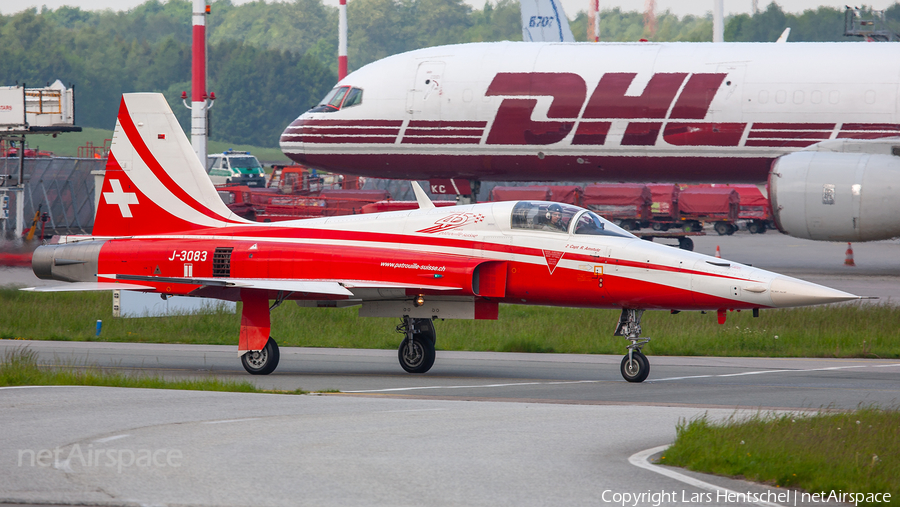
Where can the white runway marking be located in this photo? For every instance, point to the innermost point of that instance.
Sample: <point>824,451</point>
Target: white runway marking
<point>109,439</point>
<point>830,368</point>
<point>518,384</point>
<point>640,460</point>
<point>413,410</point>
<point>396,389</point>
<point>225,421</point>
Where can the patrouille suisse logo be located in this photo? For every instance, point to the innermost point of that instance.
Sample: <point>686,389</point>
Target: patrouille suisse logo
<point>453,221</point>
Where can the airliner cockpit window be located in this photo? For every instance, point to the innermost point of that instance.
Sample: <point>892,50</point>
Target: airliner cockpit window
<point>339,98</point>
<point>589,223</point>
<point>543,216</point>
<point>354,98</point>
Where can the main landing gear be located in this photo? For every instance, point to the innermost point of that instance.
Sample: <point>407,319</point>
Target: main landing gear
<point>262,362</point>
<point>635,366</point>
<point>259,352</point>
<point>416,352</point>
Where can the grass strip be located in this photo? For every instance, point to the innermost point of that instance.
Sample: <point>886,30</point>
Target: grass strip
<point>20,367</point>
<point>856,452</point>
<point>826,331</point>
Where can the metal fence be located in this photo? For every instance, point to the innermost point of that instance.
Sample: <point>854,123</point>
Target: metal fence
<point>61,187</point>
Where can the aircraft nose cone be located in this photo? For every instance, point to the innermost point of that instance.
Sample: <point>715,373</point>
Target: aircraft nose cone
<point>786,291</point>
<point>292,140</point>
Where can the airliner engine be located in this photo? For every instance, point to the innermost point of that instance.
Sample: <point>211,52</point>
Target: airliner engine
<point>842,190</point>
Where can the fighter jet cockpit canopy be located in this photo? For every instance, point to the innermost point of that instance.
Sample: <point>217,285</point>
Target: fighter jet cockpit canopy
<point>562,218</point>
<point>339,98</point>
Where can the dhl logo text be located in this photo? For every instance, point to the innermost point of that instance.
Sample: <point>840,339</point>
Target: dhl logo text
<point>667,96</point>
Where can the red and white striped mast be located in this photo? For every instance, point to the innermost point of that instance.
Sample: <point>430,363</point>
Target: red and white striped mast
<point>342,40</point>
<point>349,182</point>
<point>199,105</point>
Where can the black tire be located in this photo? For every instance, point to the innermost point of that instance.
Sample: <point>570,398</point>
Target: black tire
<point>686,244</point>
<point>722,228</point>
<point>753,227</point>
<point>425,329</point>
<point>262,362</point>
<point>422,357</point>
<point>636,370</point>
<point>656,226</point>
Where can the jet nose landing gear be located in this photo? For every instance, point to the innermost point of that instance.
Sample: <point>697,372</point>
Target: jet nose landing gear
<point>635,366</point>
<point>416,352</point>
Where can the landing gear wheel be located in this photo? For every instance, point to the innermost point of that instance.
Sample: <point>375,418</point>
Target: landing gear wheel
<point>636,368</point>
<point>262,362</point>
<point>425,329</point>
<point>686,243</point>
<point>417,356</point>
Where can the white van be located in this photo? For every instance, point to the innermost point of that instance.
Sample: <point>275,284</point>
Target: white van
<point>236,168</point>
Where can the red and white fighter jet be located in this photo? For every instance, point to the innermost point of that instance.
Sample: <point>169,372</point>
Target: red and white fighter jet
<point>162,228</point>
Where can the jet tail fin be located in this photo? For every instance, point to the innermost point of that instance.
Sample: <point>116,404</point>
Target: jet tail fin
<point>544,21</point>
<point>154,181</point>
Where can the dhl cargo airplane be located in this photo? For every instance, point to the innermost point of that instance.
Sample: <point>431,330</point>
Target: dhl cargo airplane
<point>819,121</point>
<point>162,228</point>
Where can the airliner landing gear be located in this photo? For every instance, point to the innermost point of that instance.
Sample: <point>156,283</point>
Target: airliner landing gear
<point>635,366</point>
<point>262,362</point>
<point>416,352</point>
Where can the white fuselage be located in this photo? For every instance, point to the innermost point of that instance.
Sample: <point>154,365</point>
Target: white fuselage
<point>601,111</point>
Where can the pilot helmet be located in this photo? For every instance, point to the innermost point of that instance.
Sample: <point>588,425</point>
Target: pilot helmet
<point>554,208</point>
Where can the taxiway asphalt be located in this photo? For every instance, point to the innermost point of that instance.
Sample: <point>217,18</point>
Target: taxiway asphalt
<point>709,382</point>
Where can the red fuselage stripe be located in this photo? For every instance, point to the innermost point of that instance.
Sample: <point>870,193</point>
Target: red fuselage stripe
<point>261,233</point>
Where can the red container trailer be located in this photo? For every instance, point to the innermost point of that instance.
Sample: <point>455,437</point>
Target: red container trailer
<point>664,205</point>
<point>625,203</point>
<point>754,208</point>
<point>709,204</point>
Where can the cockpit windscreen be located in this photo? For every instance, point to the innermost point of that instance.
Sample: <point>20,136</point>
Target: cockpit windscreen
<point>339,98</point>
<point>557,218</point>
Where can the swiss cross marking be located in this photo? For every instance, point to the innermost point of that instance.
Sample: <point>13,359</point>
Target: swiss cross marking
<point>120,198</point>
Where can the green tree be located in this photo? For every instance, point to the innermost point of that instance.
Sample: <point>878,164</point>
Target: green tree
<point>259,92</point>
<point>822,24</point>
<point>496,22</point>
<point>294,26</point>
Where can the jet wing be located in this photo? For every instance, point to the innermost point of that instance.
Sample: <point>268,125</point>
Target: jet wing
<point>331,287</point>
<point>88,286</point>
<point>314,286</point>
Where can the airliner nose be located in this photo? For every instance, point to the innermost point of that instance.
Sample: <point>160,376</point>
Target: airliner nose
<point>787,291</point>
<point>292,141</point>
